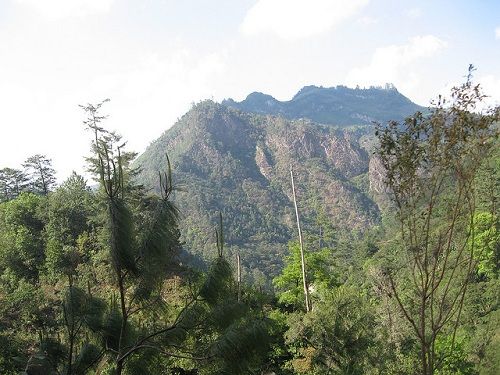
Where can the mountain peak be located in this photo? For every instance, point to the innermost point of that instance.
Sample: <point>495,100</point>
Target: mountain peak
<point>306,90</point>
<point>338,105</point>
<point>256,102</point>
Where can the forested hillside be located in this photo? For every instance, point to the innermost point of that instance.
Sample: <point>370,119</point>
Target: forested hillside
<point>397,271</point>
<point>239,163</point>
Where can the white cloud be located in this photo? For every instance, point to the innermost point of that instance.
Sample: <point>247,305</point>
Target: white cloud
<point>295,19</point>
<point>394,63</point>
<point>497,32</point>
<point>68,8</point>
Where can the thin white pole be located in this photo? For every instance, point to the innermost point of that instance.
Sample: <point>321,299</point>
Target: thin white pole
<point>302,259</point>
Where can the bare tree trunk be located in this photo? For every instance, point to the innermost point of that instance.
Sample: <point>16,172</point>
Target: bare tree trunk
<point>71,327</point>
<point>120,360</point>
<point>320,237</point>
<point>239,276</point>
<point>302,260</point>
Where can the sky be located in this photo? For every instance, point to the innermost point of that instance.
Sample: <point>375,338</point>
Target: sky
<point>154,58</point>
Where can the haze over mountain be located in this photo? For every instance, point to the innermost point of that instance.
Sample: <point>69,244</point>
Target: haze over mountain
<point>237,162</point>
<point>338,105</point>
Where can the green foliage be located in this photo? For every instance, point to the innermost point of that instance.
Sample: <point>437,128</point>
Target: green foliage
<point>99,281</point>
<point>489,363</point>
<point>452,357</point>
<point>486,244</point>
<point>159,247</point>
<point>335,335</point>
<point>37,177</point>
<point>42,175</point>
<point>72,214</point>
<point>12,183</point>
<point>121,232</point>
<point>320,274</point>
<point>9,349</point>
<point>480,331</point>
<point>21,238</point>
<point>218,281</point>
<point>241,345</point>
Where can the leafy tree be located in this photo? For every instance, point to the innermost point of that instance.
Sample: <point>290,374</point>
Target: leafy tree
<point>41,174</point>
<point>289,282</point>
<point>75,350</point>
<point>336,334</point>
<point>487,244</point>
<point>139,264</point>
<point>72,222</point>
<point>12,183</point>
<point>431,163</point>
<point>21,236</point>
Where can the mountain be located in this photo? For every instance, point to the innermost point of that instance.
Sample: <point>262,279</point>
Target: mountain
<point>334,105</point>
<point>238,163</point>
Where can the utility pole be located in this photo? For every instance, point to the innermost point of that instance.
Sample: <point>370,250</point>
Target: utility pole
<point>302,259</point>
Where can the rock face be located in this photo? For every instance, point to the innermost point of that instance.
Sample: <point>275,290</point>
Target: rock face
<point>377,188</point>
<point>334,105</point>
<point>238,163</point>
<point>376,176</point>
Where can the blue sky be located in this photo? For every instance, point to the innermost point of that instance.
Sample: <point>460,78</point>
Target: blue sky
<point>154,58</point>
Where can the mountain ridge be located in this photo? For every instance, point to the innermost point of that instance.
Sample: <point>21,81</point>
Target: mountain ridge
<point>339,105</point>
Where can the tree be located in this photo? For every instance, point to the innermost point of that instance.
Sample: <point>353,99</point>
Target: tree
<point>21,236</point>
<point>289,283</point>
<point>139,264</point>
<point>336,334</point>
<point>41,173</point>
<point>211,325</point>
<point>12,183</point>
<point>431,163</point>
<point>72,212</point>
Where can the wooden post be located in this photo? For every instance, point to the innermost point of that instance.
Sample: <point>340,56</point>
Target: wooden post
<point>302,259</point>
<point>239,275</point>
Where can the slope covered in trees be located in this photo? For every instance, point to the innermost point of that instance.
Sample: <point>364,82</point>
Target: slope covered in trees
<point>238,163</point>
<point>95,281</point>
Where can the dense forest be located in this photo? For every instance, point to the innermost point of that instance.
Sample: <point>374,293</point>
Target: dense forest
<point>96,278</point>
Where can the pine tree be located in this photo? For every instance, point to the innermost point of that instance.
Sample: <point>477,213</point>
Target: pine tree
<point>41,174</point>
<point>12,183</point>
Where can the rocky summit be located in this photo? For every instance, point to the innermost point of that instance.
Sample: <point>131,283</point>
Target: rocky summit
<point>338,105</point>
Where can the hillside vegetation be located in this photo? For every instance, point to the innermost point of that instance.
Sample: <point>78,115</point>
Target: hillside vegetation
<point>397,272</point>
<point>239,163</point>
